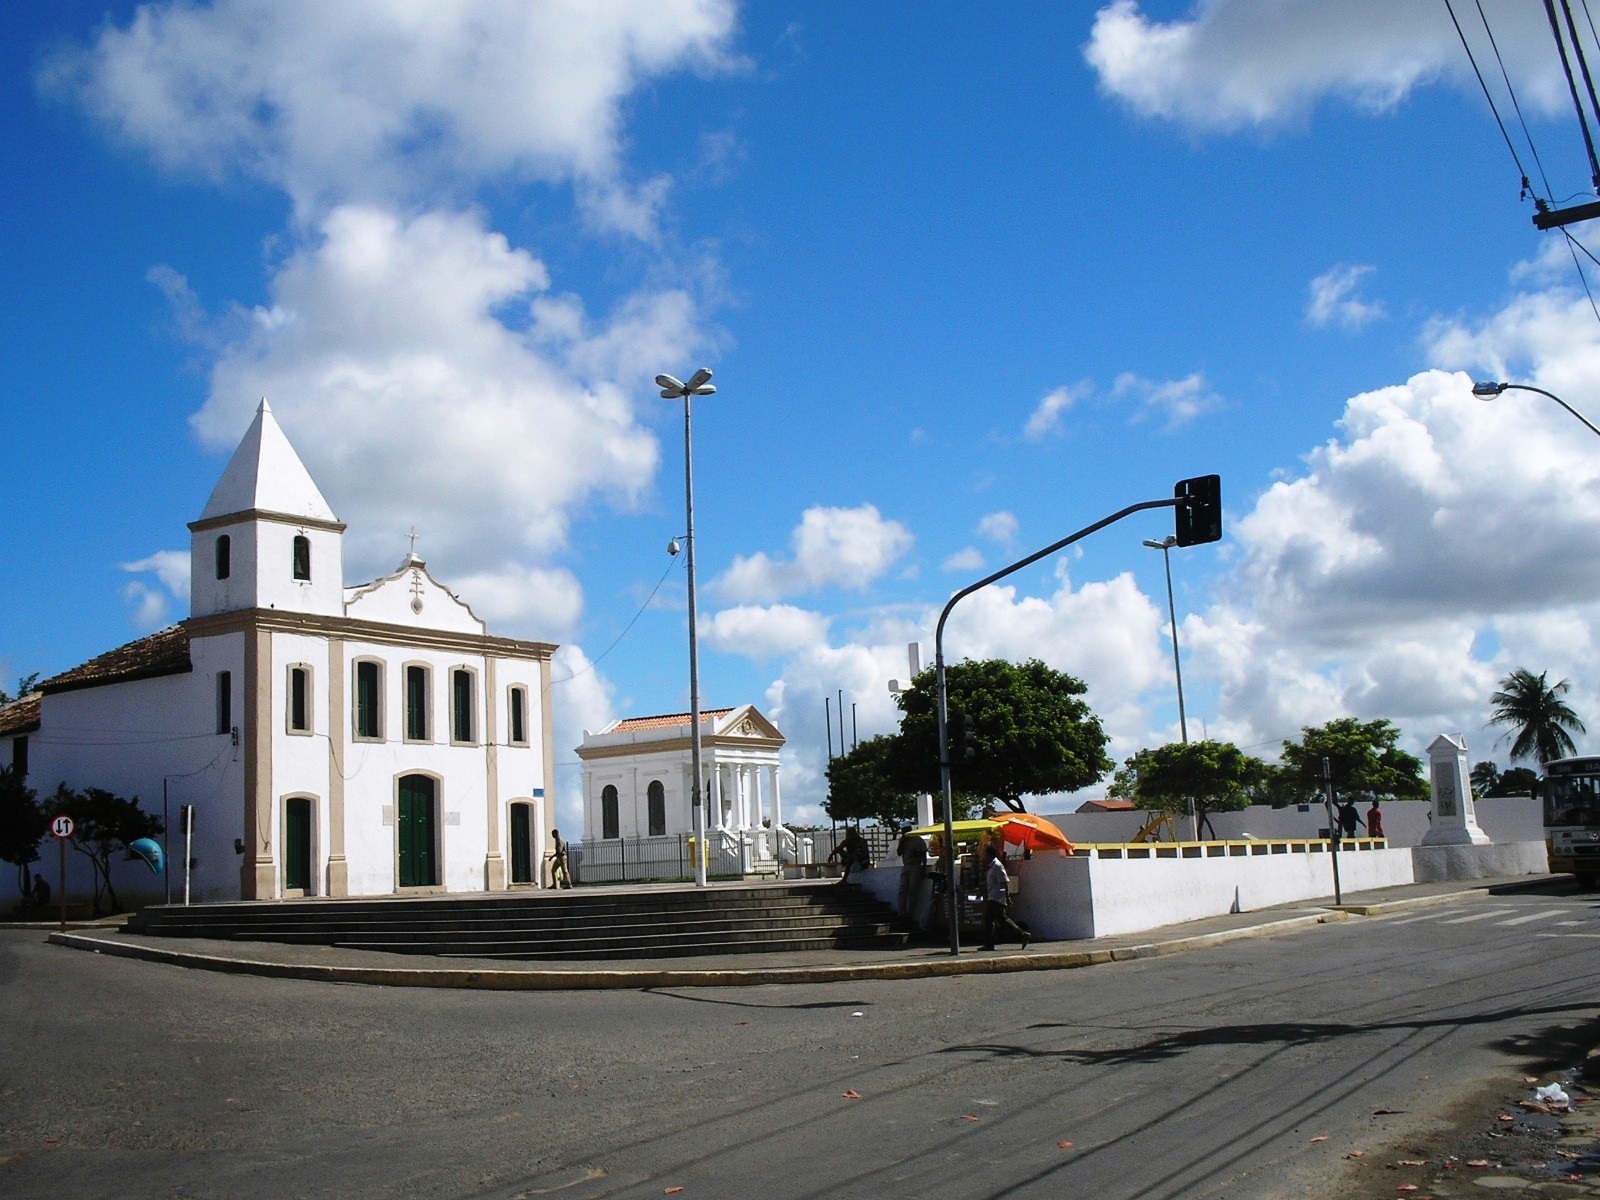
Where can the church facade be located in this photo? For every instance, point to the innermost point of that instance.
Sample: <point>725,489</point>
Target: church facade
<point>637,778</point>
<point>331,741</point>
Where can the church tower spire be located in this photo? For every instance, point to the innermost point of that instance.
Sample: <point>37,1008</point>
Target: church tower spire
<point>266,538</point>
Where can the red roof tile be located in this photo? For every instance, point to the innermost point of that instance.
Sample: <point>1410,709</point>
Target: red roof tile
<point>165,652</point>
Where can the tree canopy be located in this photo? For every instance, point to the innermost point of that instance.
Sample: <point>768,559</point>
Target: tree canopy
<point>1213,776</point>
<point>862,786</point>
<point>1362,757</point>
<point>1537,717</point>
<point>103,823</point>
<point>22,825</point>
<point>1030,730</point>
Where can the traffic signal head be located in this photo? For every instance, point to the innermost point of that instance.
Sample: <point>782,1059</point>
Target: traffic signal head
<point>1199,515</point>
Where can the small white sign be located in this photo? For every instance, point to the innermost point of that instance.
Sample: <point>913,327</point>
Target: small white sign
<point>61,827</point>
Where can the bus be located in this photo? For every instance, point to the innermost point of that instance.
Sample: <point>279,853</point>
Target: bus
<point>1570,790</point>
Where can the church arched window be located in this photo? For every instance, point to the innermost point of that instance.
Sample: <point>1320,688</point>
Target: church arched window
<point>224,556</point>
<point>609,826</point>
<point>657,795</point>
<point>302,556</point>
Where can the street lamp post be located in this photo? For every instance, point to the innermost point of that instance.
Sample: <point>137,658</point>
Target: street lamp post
<point>1488,390</point>
<point>699,384</point>
<point>1165,545</point>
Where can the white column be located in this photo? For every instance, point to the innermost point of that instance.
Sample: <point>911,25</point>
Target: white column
<point>714,801</point>
<point>777,797</point>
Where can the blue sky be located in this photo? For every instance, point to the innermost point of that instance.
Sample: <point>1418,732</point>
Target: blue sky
<point>968,281</point>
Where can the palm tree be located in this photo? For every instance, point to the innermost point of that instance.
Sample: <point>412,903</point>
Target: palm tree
<point>1536,714</point>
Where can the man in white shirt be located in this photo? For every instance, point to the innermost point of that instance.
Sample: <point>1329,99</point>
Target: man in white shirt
<point>997,900</point>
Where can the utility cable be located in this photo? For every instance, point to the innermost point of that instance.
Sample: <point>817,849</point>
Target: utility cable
<point>594,662</point>
<point>1527,188</point>
<point>1588,83</point>
<point>1522,120</point>
<point>1572,86</point>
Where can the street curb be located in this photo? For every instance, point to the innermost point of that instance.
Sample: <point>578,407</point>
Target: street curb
<point>588,979</point>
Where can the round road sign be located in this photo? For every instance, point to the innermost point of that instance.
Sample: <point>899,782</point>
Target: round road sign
<point>61,827</point>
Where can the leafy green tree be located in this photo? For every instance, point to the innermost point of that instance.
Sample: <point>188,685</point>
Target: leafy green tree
<point>1485,777</point>
<point>1362,757</point>
<point>102,824</point>
<point>862,786</point>
<point>1213,776</point>
<point>24,686</point>
<point>1517,781</point>
<point>1030,730</point>
<point>22,826</point>
<point>1537,716</point>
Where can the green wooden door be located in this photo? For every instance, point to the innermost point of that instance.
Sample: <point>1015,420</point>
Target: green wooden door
<point>521,844</point>
<point>416,832</point>
<point>297,844</point>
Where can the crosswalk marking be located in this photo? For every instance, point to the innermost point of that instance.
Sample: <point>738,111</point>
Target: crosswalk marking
<point>1539,916</point>
<point>1482,916</point>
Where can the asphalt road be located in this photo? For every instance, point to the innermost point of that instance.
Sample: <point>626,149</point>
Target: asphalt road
<point>1208,1074</point>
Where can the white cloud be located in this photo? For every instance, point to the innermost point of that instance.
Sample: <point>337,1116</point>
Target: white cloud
<point>1176,401</point>
<point>152,608</point>
<point>1046,416</point>
<point>999,527</point>
<point>833,547</point>
<point>546,599</point>
<point>1419,557</point>
<point>171,567</point>
<point>391,359</point>
<point>581,698</point>
<point>969,558</point>
<point>367,100</point>
<point>763,633</point>
<point>1334,300</point>
<point>1244,63</point>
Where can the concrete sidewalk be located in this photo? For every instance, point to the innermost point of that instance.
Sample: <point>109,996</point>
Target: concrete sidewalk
<point>333,965</point>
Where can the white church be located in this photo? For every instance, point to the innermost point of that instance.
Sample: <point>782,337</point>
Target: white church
<point>638,783</point>
<point>332,740</point>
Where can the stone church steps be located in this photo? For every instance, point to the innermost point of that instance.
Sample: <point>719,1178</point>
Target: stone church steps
<point>573,924</point>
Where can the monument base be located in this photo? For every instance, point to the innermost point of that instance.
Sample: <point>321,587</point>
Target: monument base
<point>1436,863</point>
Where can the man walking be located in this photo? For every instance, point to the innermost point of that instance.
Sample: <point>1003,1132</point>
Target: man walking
<point>913,853</point>
<point>997,901</point>
<point>560,877</point>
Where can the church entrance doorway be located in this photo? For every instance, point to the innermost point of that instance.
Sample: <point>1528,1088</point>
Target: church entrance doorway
<point>522,843</point>
<point>417,829</point>
<point>297,845</point>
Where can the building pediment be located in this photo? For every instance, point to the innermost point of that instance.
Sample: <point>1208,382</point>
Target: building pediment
<point>411,596</point>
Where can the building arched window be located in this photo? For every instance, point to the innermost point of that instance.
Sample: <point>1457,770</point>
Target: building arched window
<point>518,735</point>
<point>299,698</point>
<point>224,556</point>
<point>302,556</point>
<point>369,700</point>
<point>418,686</point>
<point>657,795</point>
<point>463,707</point>
<point>609,827</point>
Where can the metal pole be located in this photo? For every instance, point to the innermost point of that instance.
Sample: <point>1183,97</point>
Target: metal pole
<point>1177,667</point>
<point>697,809</point>
<point>1333,827</point>
<point>62,842</point>
<point>942,710</point>
<point>166,836</point>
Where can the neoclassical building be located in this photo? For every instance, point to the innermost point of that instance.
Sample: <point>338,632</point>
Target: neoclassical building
<point>637,773</point>
<point>333,741</point>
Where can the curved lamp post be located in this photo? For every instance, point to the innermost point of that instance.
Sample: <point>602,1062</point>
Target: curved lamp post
<point>1488,390</point>
<point>699,384</point>
<point>1165,545</point>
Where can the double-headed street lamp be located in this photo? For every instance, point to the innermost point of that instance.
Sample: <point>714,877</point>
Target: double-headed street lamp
<point>1488,390</point>
<point>671,389</point>
<point>1165,545</point>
